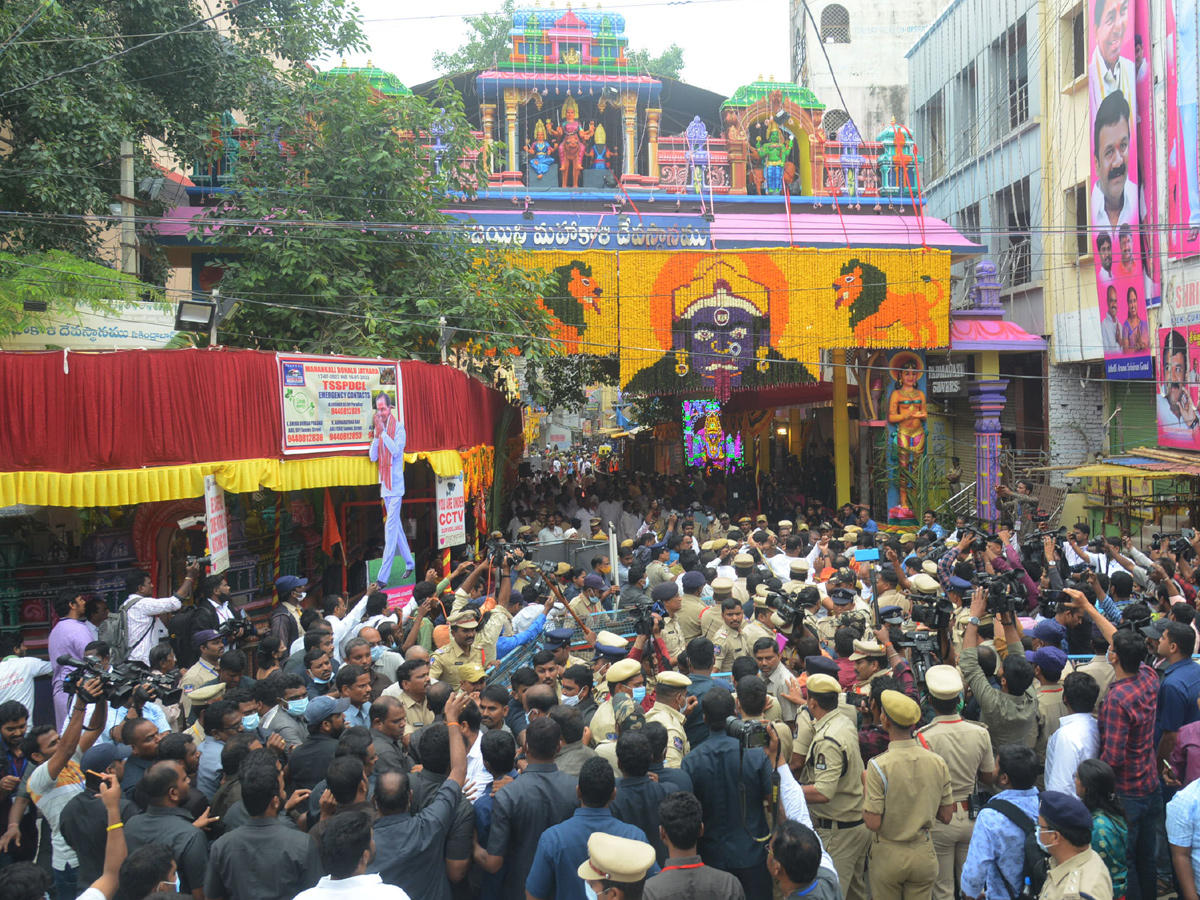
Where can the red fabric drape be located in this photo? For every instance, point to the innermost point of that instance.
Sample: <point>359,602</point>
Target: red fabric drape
<point>136,408</point>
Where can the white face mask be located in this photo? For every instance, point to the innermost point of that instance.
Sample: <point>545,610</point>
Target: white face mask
<point>301,597</point>
<point>570,701</point>
<point>1040,832</point>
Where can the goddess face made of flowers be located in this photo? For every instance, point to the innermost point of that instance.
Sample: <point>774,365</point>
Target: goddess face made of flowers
<point>721,336</point>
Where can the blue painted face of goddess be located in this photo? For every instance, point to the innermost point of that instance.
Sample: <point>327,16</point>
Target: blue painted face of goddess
<point>721,344</point>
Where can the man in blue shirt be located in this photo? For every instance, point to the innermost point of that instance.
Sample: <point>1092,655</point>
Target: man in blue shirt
<point>995,862</point>
<point>1180,688</point>
<point>563,848</point>
<point>222,720</point>
<point>728,842</point>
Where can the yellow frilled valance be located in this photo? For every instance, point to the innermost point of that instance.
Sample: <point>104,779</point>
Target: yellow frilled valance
<point>120,487</point>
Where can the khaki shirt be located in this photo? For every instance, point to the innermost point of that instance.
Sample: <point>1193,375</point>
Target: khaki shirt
<point>1051,709</point>
<point>1083,874</point>
<point>419,713</point>
<point>1100,669</point>
<point>656,573</point>
<point>914,783</point>
<point>834,767</point>
<point>672,635</point>
<point>896,598</point>
<point>806,725</point>
<point>582,608</point>
<point>740,592</point>
<point>689,617</point>
<point>677,742</point>
<point>964,746</point>
<point>728,645</point>
<point>753,630</point>
<point>197,676</point>
<point>446,662</point>
<point>604,725</point>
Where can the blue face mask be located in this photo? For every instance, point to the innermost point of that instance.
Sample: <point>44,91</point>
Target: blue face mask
<point>377,653</point>
<point>588,892</point>
<point>320,680</point>
<point>570,701</point>
<point>639,694</point>
<point>298,707</point>
<point>250,722</point>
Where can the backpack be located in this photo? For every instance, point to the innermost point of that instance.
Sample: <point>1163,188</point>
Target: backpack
<point>118,634</point>
<point>183,626</point>
<point>1036,860</point>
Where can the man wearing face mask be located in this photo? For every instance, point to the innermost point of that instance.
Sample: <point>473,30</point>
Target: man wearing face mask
<point>1064,830</point>
<point>287,718</point>
<point>624,677</point>
<point>318,673</point>
<point>285,618</point>
<point>670,703</point>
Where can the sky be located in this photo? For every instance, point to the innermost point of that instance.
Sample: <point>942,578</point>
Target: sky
<point>726,43</point>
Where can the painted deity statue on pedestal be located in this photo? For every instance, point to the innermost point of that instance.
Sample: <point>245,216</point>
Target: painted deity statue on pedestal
<point>774,154</point>
<point>907,414</point>
<point>599,153</point>
<point>541,151</point>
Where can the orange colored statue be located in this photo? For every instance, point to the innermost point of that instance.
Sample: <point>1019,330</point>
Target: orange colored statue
<point>572,138</point>
<point>906,411</point>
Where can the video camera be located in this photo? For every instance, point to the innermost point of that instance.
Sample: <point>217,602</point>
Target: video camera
<point>118,687</point>
<point>203,561</point>
<point>749,733</point>
<point>1048,603</point>
<point>499,551</point>
<point>934,612</point>
<point>1179,542</point>
<point>1004,591</point>
<point>924,647</point>
<point>235,629</point>
<point>785,605</point>
<point>641,617</point>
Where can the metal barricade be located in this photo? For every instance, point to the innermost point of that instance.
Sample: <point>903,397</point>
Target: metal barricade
<point>577,554</point>
<point>521,657</point>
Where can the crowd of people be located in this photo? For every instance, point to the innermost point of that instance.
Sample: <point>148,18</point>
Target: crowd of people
<point>738,706</point>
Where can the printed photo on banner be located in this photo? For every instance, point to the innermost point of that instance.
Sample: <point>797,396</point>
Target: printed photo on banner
<point>1116,209</point>
<point>329,403</point>
<point>1178,421</point>
<point>1183,94</point>
<point>1147,168</point>
<point>1193,375</point>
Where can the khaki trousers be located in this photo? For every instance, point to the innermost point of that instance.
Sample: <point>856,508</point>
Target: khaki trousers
<point>950,842</point>
<point>848,847</point>
<point>903,871</point>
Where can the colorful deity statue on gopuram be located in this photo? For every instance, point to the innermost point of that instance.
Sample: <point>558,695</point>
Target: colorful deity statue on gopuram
<point>599,153</point>
<point>774,154</point>
<point>541,151</point>
<point>572,145</point>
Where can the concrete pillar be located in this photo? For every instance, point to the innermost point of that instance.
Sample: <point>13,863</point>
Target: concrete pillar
<point>510,119</point>
<point>841,428</point>
<point>987,399</point>
<point>629,119</point>
<point>652,117</point>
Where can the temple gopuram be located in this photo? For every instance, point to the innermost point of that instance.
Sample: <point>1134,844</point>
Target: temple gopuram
<point>747,251</point>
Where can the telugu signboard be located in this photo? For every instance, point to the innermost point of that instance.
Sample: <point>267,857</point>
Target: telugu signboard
<point>216,525</point>
<point>554,231</point>
<point>329,402</point>
<point>128,325</point>
<point>451,509</point>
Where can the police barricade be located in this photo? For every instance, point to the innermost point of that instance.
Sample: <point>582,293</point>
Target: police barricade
<point>519,658</point>
<point>577,554</point>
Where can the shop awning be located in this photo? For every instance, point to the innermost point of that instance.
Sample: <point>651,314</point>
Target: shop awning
<point>101,429</point>
<point>1144,462</point>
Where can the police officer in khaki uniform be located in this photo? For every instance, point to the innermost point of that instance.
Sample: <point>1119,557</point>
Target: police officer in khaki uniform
<point>806,725</point>
<point>1076,870</point>
<point>668,597</point>
<point>832,780</point>
<point>692,606</point>
<point>670,703</point>
<point>743,565</point>
<point>729,640</point>
<point>446,661</point>
<point>624,677</point>
<point>610,648</point>
<point>558,642</point>
<point>870,662</point>
<point>908,788</point>
<point>967,751</point>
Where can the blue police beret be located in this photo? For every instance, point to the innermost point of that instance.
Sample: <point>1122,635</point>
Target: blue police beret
<point>820,665</point>
<point>1061,810</point>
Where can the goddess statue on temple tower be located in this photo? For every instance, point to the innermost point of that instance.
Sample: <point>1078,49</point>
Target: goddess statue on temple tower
<point>571,137</point>
<point>541,151</point>
<point>774,154</point>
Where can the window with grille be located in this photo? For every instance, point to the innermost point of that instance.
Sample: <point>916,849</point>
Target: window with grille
<point>933,120</point>
<point>968,222</point>
<point>1012,206</point>
<point>1078,51</point>
<point>832,121</point>
<point>835,25</point>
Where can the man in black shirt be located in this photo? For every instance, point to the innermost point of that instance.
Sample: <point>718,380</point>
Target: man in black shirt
<point>263,859</point>
<point>411,849</point>
<point>142,737</point>
<point>672,779</point>
<point>166,821</point>
<point>84,819</point>
<point>540,798</point>
<point>308,762</point>
<point>638,797</point>
<point>388,718</point>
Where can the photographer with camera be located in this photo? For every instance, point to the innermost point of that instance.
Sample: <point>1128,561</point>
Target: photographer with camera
<point>1010,712</point>
<point>140,615</point>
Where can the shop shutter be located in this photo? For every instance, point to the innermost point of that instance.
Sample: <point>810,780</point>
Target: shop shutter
<point>1135,425</point>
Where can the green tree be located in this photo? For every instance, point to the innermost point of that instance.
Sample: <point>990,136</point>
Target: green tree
<point>40,287</point>
<point>353,254</point>
<point>78,78</point>
<point>487,43</point>
<point>668,64</point>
